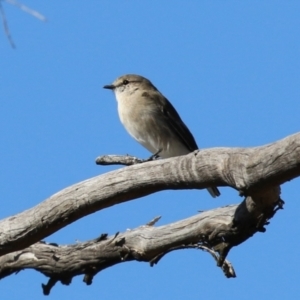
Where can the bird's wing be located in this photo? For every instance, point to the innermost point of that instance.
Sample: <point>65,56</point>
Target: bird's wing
<point>173,119</point>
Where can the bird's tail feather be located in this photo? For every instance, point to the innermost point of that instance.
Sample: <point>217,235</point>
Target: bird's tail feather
<point>214,192</point>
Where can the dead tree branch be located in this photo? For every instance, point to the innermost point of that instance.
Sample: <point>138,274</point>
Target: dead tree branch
<point>252,171</point>
<point>5,26</point>
<point>23,7</point>
<point>255,172</point>
<point>214,231</point>
<point>27,9</point>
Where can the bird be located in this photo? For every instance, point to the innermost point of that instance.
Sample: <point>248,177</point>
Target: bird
<point>152,120</point>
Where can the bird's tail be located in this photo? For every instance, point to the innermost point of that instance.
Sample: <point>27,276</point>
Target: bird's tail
<point>214,192</point>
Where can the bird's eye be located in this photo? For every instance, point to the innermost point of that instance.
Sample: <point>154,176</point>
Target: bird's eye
<point>125,81</point>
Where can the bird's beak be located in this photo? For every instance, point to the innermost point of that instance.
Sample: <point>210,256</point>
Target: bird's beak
<point>109,87</point>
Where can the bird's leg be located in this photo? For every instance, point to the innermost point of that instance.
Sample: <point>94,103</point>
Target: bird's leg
<point>153,156</point>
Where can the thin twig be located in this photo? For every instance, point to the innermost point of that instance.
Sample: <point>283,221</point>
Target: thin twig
<point>23,7</point>
<point>27,10</point>
<point>5,26</point>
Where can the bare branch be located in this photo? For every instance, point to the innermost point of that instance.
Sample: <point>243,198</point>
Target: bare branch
<point>253,171</point>
<point>23,7</point>
<point>5,26</point>
<point>153,221</point>
<point>277,163</point>
<point>28,10</point>
<point>127,160</point>
<point>215,231</point>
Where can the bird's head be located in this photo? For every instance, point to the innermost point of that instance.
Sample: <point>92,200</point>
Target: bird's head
<point>126,85</point>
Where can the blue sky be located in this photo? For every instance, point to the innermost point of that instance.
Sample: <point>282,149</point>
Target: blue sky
<point>231,69</point>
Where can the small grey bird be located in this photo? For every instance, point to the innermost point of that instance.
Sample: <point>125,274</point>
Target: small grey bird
<point>152,120</point>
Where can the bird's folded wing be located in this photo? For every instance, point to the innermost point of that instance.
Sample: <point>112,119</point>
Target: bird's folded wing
<point>173,119</point>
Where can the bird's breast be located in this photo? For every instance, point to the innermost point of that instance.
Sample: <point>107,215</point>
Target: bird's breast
<point>147,125</point>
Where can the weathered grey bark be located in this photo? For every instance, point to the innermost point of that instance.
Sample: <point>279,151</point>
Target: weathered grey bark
<point>255,172</point>
<point>215,231</point>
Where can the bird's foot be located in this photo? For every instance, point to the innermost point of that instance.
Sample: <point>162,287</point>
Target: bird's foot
<point>153,156</point>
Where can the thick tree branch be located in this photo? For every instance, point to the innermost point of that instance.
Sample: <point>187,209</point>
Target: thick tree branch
<point>248,170</point>
<point>215,231</point>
